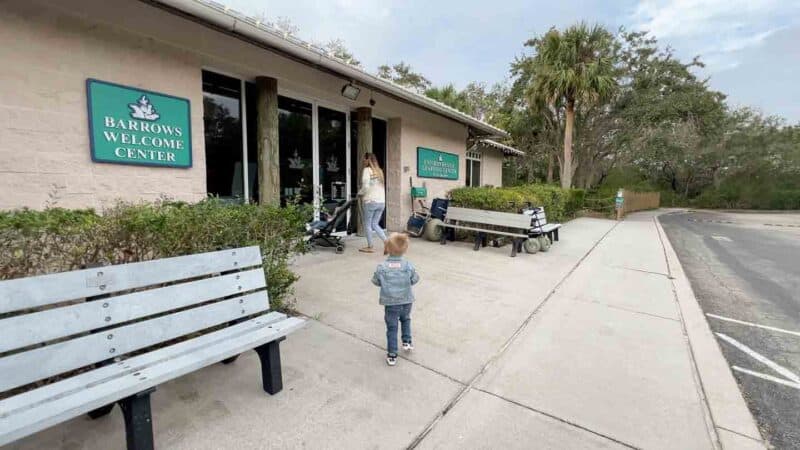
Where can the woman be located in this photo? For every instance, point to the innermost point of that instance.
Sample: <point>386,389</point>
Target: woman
<point>373,195</point>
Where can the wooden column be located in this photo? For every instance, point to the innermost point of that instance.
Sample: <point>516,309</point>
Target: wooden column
<point>395,211</point>
<point>267,133</point>
<point>364,120</point>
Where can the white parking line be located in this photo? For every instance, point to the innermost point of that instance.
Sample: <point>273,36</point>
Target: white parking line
<point>722,238</point>
<point>767,377</point>
<point>751,324</point>
<point>762,359</point>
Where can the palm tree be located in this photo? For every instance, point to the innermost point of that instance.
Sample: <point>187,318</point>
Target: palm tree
<point>570,68</point>
<point>451,97</point>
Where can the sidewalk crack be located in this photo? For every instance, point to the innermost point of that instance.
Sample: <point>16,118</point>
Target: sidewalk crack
<point>379,347</point>
<point>643,271</point>
<point>557,418</point>
<point>740,434</point>
<point>625,309</point>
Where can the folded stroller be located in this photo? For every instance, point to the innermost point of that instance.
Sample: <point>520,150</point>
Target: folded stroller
<point>320,232</point>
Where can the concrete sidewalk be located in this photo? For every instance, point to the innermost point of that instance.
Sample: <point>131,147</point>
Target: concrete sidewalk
<point>592,345</point>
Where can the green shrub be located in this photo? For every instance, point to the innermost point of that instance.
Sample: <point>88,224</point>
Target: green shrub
<point>56,240</point>
<point>560,204</point>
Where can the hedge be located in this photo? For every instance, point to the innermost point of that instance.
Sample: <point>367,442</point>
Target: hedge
<point>56,239</point>
<point>560,204</point>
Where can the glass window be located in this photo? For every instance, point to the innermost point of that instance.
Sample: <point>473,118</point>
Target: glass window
<point>223,136</point>
<point>251,105</point>
<point>295,136</point>
<point>473,169</point>
<point>332,160</point>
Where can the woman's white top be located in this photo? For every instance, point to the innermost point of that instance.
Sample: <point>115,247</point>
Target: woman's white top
<point>372,189</point>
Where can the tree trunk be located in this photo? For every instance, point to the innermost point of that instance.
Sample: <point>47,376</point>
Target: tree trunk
<point>566,166</point>
<point>549,168</point>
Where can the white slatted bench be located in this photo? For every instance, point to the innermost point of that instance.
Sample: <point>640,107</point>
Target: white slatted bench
<point>516,226</point>
<point>540,225</point>
<point>114,317</point>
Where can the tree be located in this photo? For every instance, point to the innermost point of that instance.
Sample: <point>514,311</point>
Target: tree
<point>451,97</point>
<point>338,49</point>
<point>286,25</point>
<point>402,74</point>
<point>572,68</point>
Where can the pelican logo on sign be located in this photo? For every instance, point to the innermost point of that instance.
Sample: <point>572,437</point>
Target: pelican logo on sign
<point>143,109</point>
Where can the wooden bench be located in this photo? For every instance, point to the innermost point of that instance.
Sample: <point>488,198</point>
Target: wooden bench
<point>540,225</point>
<point>516,226</point>
<point>96,329</point>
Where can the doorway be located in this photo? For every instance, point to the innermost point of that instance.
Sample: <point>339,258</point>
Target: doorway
<point>378,147</point>
<point>314,155</point>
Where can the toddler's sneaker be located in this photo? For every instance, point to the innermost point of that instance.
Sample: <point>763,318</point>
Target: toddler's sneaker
<point>408,346</point>
<point>391,359</point>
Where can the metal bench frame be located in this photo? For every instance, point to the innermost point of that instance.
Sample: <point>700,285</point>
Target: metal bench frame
<point>106,321</point>
<point>455,216</point>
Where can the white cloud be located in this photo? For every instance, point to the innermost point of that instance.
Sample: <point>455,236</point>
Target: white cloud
<point>715,29</point>
<point>688,18</point>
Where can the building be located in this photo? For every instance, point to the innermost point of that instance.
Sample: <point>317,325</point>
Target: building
<point>139,99</point>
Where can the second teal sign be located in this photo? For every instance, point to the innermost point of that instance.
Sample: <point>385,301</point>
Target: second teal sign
<point>436,164</point>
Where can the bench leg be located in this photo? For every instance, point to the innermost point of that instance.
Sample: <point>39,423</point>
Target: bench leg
<point>478,241</point>
<point>555,234</point>
<point>270,356</point>
<point>443,241</point>
<point>138,421</point>
<point>514,246</point>
<point>100,412</point>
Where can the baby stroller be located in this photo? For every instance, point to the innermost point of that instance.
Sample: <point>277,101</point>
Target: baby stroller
<point>320,232</point>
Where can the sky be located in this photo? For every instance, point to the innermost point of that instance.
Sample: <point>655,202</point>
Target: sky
<point>751,47</point>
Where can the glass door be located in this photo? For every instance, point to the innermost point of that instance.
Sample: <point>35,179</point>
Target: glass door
<point>314,157</point>
<point>296,151</point>
<point>332,163</point>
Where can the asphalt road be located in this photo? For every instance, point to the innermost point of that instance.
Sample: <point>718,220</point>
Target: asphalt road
<point>746,267</point>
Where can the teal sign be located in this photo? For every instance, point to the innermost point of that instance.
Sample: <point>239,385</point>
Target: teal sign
<point>128,125</point>
<point>435,164</point>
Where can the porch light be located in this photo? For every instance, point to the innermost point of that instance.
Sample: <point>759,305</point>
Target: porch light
<point>350,91</point>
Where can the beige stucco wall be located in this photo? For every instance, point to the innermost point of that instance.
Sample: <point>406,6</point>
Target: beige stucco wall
<point>436,133</point>
<point>44,138</point>
<point>49,50</point>
<point>492,167</point>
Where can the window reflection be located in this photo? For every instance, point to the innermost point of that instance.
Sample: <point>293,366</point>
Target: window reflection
<point>223,136</point>
<point>295,150</point>
<point>332,160</point>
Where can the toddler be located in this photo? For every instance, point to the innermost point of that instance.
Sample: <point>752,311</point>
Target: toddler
<point>395,276</point>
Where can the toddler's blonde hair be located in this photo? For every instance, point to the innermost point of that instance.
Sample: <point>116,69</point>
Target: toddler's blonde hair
<point>397,244</point>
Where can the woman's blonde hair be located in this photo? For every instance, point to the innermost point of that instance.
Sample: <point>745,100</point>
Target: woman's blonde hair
<point>372,163</point>
<point>397,244</point>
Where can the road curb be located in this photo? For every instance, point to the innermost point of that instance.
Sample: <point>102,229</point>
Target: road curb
<point>729,412</point>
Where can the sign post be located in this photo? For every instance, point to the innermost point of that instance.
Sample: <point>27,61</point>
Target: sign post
<point>128,125</point>
<point>619,203</point>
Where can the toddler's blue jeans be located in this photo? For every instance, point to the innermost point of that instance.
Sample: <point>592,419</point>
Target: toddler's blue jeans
<point>392,315</point>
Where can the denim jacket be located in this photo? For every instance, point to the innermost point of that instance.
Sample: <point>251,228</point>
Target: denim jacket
<point>395,276</point>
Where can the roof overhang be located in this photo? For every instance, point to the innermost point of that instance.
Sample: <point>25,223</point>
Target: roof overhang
<point>225,19</point>
<point>506,149</point>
